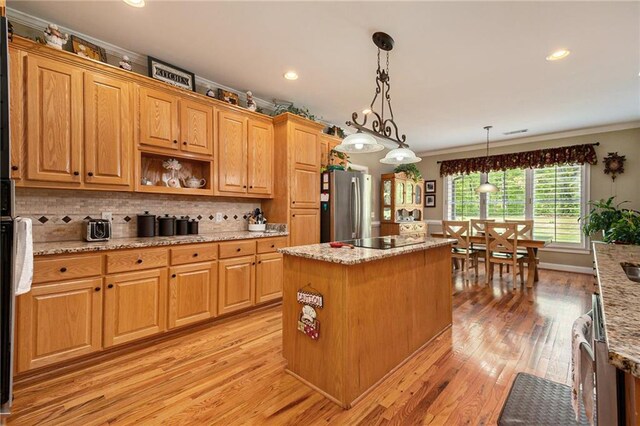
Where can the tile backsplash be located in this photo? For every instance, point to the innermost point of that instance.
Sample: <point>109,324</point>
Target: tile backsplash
<point>57,215</point>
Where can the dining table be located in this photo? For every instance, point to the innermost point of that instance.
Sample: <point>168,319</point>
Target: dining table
<point>532,247</point>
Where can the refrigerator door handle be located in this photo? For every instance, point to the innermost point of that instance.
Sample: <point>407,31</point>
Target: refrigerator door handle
<point>358,209</point>
<point>353,207</point>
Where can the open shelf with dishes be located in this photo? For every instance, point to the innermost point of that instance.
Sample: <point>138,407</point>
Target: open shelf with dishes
<point>171,174</point>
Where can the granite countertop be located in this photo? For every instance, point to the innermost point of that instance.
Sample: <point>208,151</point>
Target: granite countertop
<point>620,304</point>
<point>68,247</point>
<point>347,256</point>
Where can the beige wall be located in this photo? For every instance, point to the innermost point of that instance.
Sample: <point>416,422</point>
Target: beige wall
<point>626,186</point>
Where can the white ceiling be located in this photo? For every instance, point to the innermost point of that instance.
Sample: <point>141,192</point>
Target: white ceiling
<point>456,67</point>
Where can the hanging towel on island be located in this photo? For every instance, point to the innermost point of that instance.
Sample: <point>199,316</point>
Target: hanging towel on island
<point>582,367</point>
<point>23,264</point>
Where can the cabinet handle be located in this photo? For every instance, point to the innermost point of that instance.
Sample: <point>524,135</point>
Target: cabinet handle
<point>184,143</point>
<point>293,202</point>
<point>293,215</point>
<point>90,173</point>
<point>175,141</point>
<point>253,263</point>
<point>110,286</point>
<point>250,186</point>
<point>139,261</point>
<point>273,246</point>
<point>173,275</point>
<point>63,269</point>
<point>238,249</point>
<point>244,186</point>
<point>195,254</point>
<point>259,261</point>
<point>97,289</point>
<point>76,173</point>
<point>14,168</point>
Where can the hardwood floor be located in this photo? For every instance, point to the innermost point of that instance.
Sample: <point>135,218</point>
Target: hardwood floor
<point>233,372</point>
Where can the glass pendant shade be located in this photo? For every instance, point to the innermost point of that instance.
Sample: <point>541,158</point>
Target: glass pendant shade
<point>486,188</point>
<point>359,143</point>
<point>400,156</point>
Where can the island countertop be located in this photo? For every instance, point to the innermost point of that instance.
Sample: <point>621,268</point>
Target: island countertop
<point>620,304</point>
<point>69,247</point>
<point>348,256</point>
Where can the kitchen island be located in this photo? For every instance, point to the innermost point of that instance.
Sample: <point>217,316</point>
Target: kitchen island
<point>351,316</point>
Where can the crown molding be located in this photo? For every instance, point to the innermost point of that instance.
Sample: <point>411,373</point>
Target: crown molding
<point>537,138</point>
<point>39,24</point>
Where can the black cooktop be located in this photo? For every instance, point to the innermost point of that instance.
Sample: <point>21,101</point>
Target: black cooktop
<point>385,243</point>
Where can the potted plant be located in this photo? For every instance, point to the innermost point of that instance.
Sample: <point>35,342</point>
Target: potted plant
<point>620,226</point>
<point>338,160</point>
<point>410,171</point>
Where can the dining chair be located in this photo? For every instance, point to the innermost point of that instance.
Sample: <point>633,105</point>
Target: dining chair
<point>477,225</point>
<point>525,232</point>
<point>460,230</point>
<point>501,241</point>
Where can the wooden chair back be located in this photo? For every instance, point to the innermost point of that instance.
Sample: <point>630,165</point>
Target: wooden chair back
<point>458,229</point>
<point>501,237</point>
<point>524,229</point>
<point>477,225</point>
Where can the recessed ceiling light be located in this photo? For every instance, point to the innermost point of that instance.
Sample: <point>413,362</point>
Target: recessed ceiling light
<point>366,111</point>
<point>558,54</point>
<point>134,3</point>
<point>291,75</point>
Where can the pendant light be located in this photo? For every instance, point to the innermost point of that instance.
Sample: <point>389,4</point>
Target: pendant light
<point>400,156</point>
<point>382,126</point>
<point>487,187</point>
<point>359,143</point>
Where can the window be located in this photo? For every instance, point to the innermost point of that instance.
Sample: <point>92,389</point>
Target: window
<point>554,197</point>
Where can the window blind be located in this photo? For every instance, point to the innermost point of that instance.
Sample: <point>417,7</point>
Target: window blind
<point>464,202</point>
<point>509,203</point>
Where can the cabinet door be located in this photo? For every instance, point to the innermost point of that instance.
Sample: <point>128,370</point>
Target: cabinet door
<point>232,152</point>
<point>108,131</point>
<point>305,227</point>
<point>236,284</point>
<point>305,189</point>
<point>324,153</point>
<point>54,109</point>
<point>192,293</point>
<point>260,158</point>
<point>134,305</point>
<point>16,110</point>
<point>306,149</point>
<point>158,119</point>
<point>269,276</point>
<point>196,127</point>
<point>57,322</point>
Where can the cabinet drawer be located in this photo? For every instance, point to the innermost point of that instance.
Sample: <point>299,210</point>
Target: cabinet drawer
<point>64,268</point>
<point>194,253</point>
<point>137,260</point>
<point>413,228</point>
<point>237,248</point>
<point>271,244</point>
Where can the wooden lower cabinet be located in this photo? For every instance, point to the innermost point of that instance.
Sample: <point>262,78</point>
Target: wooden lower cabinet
<point>192,293</point>
<point>134,305</point>
<point>59,321</point>
<point>236,284</point>
<point>269,276</point>
<point>305,227</point>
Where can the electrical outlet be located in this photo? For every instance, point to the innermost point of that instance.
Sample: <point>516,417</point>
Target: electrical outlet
<point>107,216</point>
<point>218,217</point>
<point>373,215</point>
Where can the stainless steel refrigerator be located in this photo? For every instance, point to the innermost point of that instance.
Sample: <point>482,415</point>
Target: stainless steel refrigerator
<point>345,205</point>
<point>7,298</point>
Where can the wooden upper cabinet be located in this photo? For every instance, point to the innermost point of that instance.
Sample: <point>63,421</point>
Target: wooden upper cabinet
<point>260,158</point>
<point>16,110</point>
<point>193,293</point>
<point>135,305</point>
<point>232,152</point>
<point>305,227</point>
<point>54,109</point>
<point>108,130</point>
<point>236,284</point>
<point>57,322</point>
<point>306,148</point>
<point>305,189</point>
<point>196,127</point>
<point>158,118</point>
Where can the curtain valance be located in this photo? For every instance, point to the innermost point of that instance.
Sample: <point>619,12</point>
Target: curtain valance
<point>575,154</point>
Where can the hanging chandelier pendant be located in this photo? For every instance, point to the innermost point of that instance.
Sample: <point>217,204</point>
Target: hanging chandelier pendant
<point>381,126</point>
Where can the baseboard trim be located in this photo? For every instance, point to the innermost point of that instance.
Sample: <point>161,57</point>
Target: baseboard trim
<point>566,268</point>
